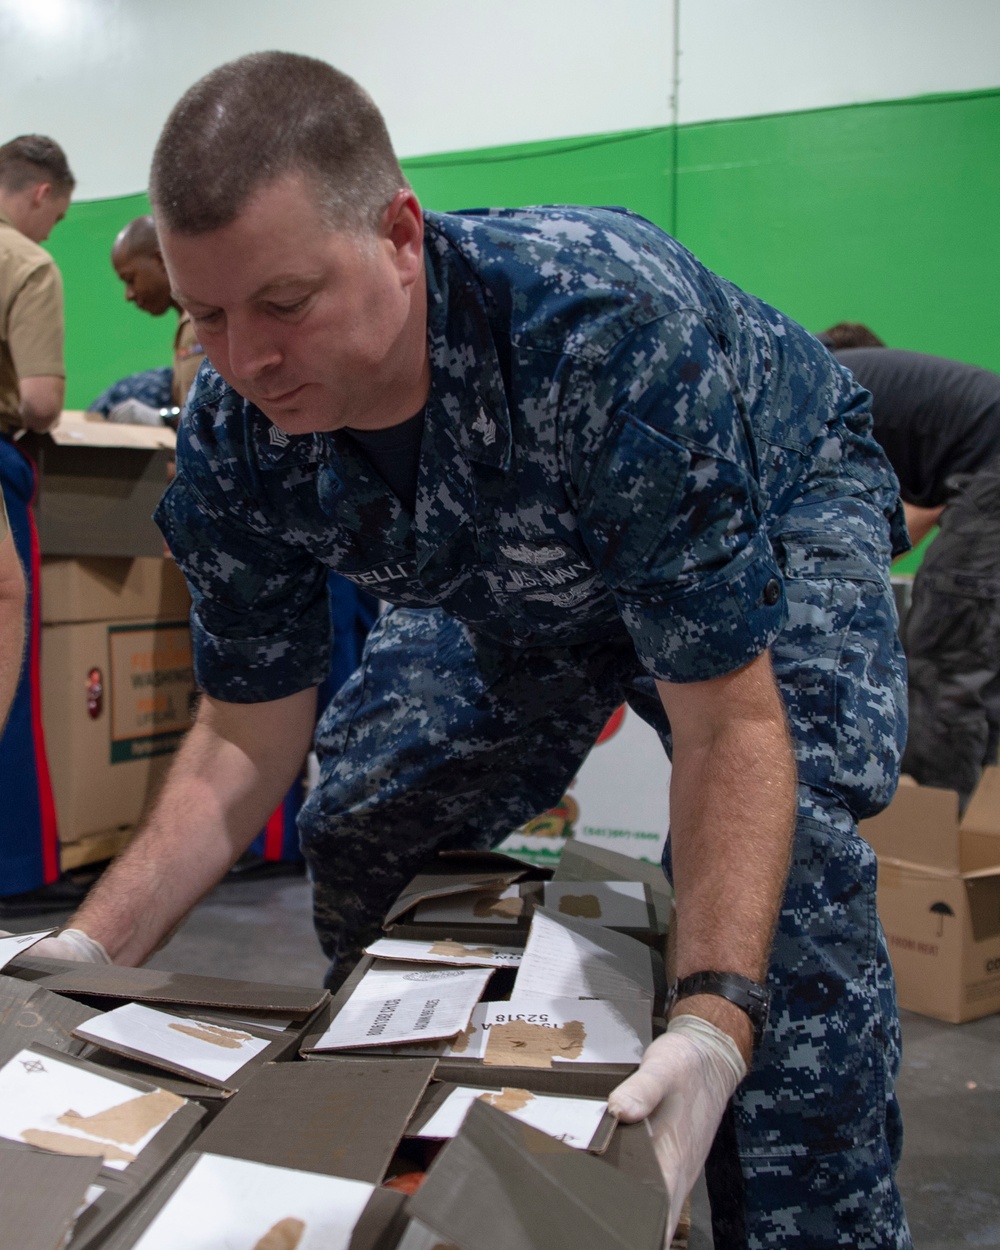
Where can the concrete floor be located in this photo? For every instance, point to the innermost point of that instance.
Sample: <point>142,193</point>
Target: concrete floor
<point>949,1087</point>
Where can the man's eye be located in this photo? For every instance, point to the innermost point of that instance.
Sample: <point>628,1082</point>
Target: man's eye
<point>207,318</point>
<point>294,307</point>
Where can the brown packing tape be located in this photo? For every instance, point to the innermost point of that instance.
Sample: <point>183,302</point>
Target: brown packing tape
<point>523,1045</point>
<point>130,1121</point>
<point>284,1235</point>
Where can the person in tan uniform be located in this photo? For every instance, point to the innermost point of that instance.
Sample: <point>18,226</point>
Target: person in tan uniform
<point>137,261</point>
<point>35,189</point>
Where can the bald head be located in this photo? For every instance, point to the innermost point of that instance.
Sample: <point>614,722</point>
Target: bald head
<point>137,261</point>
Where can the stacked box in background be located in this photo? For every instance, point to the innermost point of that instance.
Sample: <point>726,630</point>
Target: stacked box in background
<point>117,691</point>
<point>939,898</point>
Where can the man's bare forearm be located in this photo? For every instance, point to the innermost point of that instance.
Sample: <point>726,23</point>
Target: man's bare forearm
<point>732,818</point>
<point>232,770</point>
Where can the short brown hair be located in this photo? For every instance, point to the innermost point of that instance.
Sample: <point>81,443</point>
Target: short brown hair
<point>849,334</point>
<point>30,159</point>
<point>263,116</point>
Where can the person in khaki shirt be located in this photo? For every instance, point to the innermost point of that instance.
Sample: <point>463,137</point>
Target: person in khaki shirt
<point>137,261</point>
<point>35,189</point>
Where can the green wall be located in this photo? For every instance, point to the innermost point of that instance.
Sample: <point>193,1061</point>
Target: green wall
<point>884,213</point>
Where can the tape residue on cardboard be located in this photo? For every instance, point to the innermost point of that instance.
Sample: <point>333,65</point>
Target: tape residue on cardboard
<point>66,1144</point>
<point>523,1045</point>
<point>508,1099</point>
<point>230,1039</point>
<point>130,1121</point>
<point>586,905</point>
<point>284,1235</point>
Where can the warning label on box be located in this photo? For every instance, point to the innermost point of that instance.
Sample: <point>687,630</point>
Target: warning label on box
<point>152,684</point>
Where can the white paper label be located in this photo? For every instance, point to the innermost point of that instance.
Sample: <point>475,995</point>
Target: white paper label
<point>239,1205</point>
<point>570,1120</point>
<point>214,1051</point>
<point>447,951</point>
<point>392,1005</point>
<point>571,1030</point>
<point>70,1110</point>
<point>17,943</point>
<point>616,904</point>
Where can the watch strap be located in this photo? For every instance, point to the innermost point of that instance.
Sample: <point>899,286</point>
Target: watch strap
<point>749,996</point>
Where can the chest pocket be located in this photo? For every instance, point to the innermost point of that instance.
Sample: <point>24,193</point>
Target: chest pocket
<point>631,498</point>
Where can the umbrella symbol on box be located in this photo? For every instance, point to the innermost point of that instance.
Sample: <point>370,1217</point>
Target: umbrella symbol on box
<point>941,910</point>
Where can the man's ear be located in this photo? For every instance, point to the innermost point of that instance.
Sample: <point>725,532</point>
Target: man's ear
<point>402,226</point>
<point>40,194</point>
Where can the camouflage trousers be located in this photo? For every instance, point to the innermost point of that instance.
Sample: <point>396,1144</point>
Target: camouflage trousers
<point>442,739</point>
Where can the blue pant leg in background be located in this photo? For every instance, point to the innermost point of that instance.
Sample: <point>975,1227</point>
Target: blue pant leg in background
<point>29,844</point>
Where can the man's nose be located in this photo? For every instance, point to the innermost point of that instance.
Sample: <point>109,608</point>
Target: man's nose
<point>252,348</point>
<point>130,293</point>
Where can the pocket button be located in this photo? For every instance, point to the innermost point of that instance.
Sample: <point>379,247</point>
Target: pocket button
<point>772,592</point>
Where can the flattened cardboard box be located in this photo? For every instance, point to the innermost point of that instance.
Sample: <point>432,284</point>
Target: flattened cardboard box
<point>342,1118</point>
<point>121,1188</point>
<point>117,698</point>
<point>98,486</point>
<point>40,1194</point>
<point>597,1080</point>
<point>112,588</point>
<point>31,1015</point>
<point>502,1185</point>
<point>378,1228</point>
<point>939,898</point>
<point>114,983</point>
<point>582,862</point>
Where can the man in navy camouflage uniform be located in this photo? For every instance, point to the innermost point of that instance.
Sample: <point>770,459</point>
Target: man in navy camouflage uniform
<point>630,480</point>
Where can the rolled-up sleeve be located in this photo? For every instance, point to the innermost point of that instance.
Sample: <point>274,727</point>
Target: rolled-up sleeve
<point>669,505</point>
<point>260,620</point>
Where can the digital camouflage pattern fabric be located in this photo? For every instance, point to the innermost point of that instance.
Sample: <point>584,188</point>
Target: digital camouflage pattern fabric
<point>630,470</point>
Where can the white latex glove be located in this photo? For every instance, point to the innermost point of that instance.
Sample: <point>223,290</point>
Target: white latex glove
<point>71,944</point>
<point>683,1084</point>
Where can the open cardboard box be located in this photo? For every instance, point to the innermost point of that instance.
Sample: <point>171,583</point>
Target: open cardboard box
<point>98,485</point>
<point>939,898</point>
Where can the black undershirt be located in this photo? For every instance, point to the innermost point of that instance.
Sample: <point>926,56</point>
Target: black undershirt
<point>933,417</point>
<point>395,455</point>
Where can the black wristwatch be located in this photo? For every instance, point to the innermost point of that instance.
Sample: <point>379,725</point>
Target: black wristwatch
<point>749,996</point>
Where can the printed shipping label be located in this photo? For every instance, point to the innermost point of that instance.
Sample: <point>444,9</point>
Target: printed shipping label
<point>396,1005</point>
<point>152,687</point>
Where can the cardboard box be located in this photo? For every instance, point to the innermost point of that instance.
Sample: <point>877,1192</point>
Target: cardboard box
<point>939,898</point>
<point>98,485</point>
<point>32,1015</point>
<point>117,698</point>
<point>112,588</point>
<point>502,1185</point>
<point>40,1194</point>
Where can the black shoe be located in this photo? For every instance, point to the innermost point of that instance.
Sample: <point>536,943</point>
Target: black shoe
<point>253,867</point>
<point>64,894</point>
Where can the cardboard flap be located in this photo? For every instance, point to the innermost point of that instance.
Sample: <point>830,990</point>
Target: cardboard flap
<point>153,986</point>
<point>443,884</point>
<point>983,813</point>
<point>980,852</point>
<point>30,1015</point>
<point>82,429</point>
<point>344,1117</point>
<point>984,907</point>
<point>502,1185</point>
<point>919,825</point>
<point>40,1194</point>
<point>581,862</point>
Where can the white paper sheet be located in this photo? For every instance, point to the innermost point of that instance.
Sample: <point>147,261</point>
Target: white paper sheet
<point>571,1030</point>
<point>213,1051</point>
<point>469,1044</point>
<point>56,1106</point>
<point>446,951</point>
<point>561,962</point>
<point>570,1120</point>
<point>17,943</point>
<point>480,907</point>
<point>618,904</point>
<point>232,1204</point>
<point>393,1005</point>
